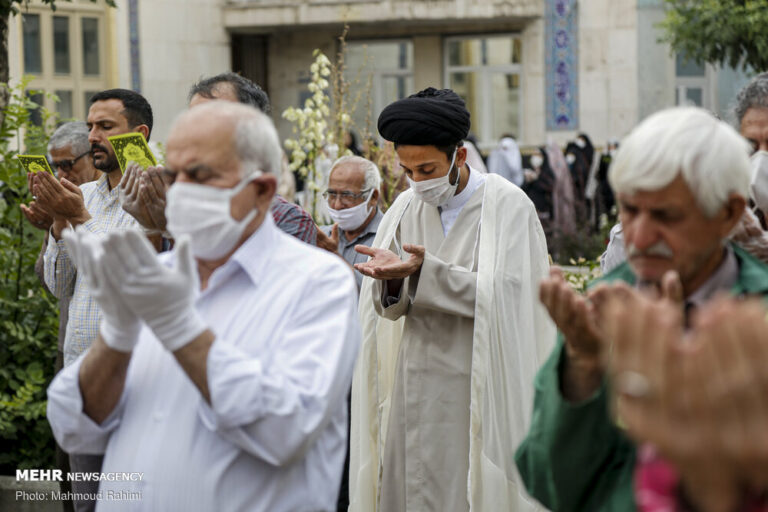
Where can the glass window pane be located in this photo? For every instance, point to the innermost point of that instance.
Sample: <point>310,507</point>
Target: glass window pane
<point>378,74</point>
<point>87,95</point>
<point>503,50</point>
<point>64,106</point>
<point>378,56</point>
<point>32,57</point>
<point>694,96</point>
<point>36,116</point>
<point>688,67</point>
<point>90,30</point>
<point>505,98</point>
<point>61,44</point>
<point>465,52</point>
<point>468,85</point>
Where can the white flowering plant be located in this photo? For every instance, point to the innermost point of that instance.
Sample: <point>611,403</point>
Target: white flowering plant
<point>581,272</point>
<point>311,129</point>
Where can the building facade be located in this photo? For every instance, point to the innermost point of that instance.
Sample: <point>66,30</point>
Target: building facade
<point>538,69</point>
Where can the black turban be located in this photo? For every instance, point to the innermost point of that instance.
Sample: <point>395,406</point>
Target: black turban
<point>427,118</point>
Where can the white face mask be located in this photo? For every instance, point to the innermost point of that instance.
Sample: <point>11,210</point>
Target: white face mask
<point>580,143</point>
<point>203,213</point>
<point>537,161</point>
<point>349,219</point>
<point>570,158</point>
<point>758,188</point>
<point>437,191</point>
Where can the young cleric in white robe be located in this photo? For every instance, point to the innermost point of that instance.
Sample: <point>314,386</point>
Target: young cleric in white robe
<point>453,330</point>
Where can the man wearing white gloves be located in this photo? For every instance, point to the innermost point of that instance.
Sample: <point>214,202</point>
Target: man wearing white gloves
<point>221,369</point>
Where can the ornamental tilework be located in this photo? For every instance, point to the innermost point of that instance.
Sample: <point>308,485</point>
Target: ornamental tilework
<point>562,79</point>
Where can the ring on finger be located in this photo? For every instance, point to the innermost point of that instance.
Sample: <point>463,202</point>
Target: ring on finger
<point>633,384</point>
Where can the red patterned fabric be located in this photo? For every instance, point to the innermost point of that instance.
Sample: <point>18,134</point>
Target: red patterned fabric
<point>292,219</point>
<point>657,486</point>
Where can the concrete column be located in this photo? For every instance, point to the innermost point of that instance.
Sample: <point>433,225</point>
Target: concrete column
<point>428,53</point>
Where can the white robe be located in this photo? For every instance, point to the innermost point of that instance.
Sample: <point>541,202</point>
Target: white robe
<point>497,251</point>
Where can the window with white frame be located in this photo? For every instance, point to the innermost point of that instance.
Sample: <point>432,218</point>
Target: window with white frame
<point>65,51</point>
<point>379,72</point>
<point>693,83</point>
<point>485,71</point>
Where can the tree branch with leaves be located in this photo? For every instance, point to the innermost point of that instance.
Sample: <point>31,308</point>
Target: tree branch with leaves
<point>725,32</point>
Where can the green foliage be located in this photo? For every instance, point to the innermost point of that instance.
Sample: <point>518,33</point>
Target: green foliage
<point>725,32</point>
<point>12,6</point>
<point>581,272</point>
<point>28,314</point>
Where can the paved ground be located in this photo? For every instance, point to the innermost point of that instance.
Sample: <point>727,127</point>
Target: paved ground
<point>38,497</point>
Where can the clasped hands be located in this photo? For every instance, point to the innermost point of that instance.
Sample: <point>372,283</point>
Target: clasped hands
<point>131,285</point>
<point>700,396</point>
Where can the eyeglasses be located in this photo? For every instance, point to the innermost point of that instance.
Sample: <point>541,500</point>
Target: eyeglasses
<point>66,165</point>
<point>346,197</point>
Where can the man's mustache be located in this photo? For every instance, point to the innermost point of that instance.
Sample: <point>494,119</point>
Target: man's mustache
<point>94,147</point>
<point>659,249</point>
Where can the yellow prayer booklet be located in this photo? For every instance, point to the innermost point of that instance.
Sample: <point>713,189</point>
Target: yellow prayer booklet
<point>34,163</point>
<point>132,147</point>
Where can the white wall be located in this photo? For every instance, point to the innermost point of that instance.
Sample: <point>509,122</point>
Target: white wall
<point>180,41</point>
<point>608,63</point>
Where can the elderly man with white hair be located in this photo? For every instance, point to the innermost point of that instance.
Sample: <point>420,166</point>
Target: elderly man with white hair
<point>681,179</point>
<point>219,375</point>
<point>353,196</point>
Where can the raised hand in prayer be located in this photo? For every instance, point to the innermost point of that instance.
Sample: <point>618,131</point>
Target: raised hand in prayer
<point>572,313</point>
<point>33,212</point>
<point>700,398</point>
<point>749,234</point>
<point>329,242</point>
<point>575,316</point>
<point>163,297</point>
<point>142,194</point>
<point>384,264</point>
<point>60,200</point>
<point>119,326</point>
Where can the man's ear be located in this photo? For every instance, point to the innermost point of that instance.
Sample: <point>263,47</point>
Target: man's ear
<point>461,156</point>
<point>732,212</point>
<point>374,198</point>
<point>266,187</point>
<point>142,129</point>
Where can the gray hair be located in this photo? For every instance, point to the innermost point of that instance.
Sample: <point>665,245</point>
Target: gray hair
<point>753,95</point>
<point>74,135</point>
<point>710,155</point>
<point>257,144</point>
<point>372,174</point>
<point>255,139</point>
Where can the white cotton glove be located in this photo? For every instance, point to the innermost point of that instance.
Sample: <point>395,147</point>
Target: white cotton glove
<point>119,326</point>
<point>161,296</point>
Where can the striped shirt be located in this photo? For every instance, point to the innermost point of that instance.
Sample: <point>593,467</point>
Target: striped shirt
<point>292,219</point>
<point>62,278</point>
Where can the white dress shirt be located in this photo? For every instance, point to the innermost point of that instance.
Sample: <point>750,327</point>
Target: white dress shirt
<point>450,211</point>
<point>274,439</point>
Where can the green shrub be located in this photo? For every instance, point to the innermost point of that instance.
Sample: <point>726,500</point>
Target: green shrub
<point>28,315</point>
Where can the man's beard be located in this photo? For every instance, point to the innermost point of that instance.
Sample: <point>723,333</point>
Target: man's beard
<point>107,164</point>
